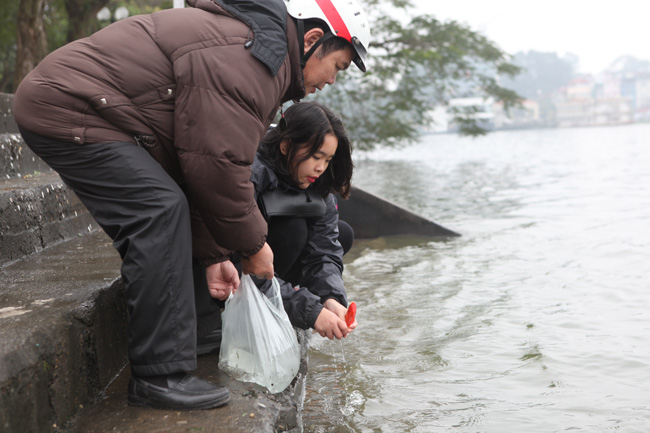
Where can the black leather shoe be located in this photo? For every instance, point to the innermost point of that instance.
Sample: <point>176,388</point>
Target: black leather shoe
<point>210,343</point>
<point>183,392</point>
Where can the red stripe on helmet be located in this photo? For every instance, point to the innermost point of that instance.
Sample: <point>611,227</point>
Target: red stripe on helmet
<point>335,19</point>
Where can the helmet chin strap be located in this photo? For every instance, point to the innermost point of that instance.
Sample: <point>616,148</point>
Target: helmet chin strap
<point>301,41</point>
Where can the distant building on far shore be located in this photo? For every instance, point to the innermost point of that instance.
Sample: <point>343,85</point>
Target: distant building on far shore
<point>587,102</point>
<point>615,97</point>
<point>488,114</point>
<point>525,116</point>
<point>618,96</point>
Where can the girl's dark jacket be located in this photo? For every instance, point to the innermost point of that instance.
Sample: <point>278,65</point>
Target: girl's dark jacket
<point>198,86</point>
<point>321,261</point>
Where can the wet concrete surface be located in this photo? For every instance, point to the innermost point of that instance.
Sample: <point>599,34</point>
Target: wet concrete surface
<point>16,159</point>
<point>251,409</point>
<point>36,212</point>
<point>7,123</point>
<point>36,209</point>
<point>62,316</point>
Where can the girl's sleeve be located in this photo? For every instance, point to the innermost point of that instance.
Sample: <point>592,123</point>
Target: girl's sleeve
<point>302,306</point>
<point>322,258</point>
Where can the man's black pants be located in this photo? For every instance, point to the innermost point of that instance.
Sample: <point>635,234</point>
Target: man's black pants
<point>146,214</point>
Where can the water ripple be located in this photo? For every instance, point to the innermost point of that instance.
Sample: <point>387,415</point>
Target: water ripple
<point>534,321</point>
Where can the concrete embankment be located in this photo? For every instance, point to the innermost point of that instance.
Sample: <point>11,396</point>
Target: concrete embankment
<point>63,362</point>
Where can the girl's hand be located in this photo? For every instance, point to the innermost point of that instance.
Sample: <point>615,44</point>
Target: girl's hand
<point>338,309</point>
<point>330,325</point>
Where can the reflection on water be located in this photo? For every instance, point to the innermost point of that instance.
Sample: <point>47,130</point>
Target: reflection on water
<point>535,320</point>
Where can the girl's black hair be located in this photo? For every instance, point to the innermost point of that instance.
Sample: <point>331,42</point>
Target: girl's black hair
<point>304,126</point>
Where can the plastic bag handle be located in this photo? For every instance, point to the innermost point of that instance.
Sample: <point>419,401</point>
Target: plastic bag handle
<point>277,298</point>
<point>278,295</point>
<point>276,286</point>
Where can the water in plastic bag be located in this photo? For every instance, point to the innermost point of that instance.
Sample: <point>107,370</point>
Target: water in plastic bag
<point>258,343</point>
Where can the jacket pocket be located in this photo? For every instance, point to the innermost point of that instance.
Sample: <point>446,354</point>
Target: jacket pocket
<point>161,94</point>
<point>122,113</point>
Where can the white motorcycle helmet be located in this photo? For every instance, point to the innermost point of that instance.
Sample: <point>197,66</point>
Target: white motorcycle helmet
<point>345,18</point>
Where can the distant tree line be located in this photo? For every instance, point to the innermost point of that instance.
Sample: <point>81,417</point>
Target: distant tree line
<point>30,29</point>
<point>416,63</point>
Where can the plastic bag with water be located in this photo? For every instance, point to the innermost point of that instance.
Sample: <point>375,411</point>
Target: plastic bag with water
<point>258,343</point>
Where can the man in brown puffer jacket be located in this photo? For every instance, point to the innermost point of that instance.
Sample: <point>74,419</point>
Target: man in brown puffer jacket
<point>154,122</point>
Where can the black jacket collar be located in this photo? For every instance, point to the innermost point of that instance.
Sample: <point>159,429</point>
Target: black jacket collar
<point>268,20</point>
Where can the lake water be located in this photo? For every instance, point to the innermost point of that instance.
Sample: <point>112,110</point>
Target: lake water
<point>537,319</point>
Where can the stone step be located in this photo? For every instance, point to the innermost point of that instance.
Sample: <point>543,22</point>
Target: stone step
<point>63,319</point>
<point>16,159</point>
<point>37,211</point>
<point>36,208</point>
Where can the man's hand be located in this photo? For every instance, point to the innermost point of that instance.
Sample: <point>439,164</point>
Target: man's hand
<point>338,309</point>
<point>259,264</point>
<point>330,325</point>
<point>222,279</point>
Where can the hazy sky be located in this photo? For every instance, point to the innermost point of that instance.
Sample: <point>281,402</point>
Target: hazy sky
<point>597,31</point>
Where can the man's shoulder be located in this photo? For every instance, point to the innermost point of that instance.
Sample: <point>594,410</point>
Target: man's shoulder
<point>268,20</point>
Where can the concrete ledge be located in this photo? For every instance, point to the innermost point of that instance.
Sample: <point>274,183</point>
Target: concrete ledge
<point>63,321</point>
<point>372,217</point>
<point>38,211</point>
<point>16,159</point>
<point>7,123</point>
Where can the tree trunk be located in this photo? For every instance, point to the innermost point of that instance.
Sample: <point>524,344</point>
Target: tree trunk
<point>82,17</point>
<point>31,38</point>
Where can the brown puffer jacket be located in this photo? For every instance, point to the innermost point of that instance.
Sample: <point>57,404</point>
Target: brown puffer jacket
<point>199,85</point>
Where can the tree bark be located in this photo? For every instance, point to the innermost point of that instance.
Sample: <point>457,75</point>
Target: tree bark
<point>31,38</point>
<point>82,17</point>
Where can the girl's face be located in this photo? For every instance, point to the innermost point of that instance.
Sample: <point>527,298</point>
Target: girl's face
<point>308,171</point>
